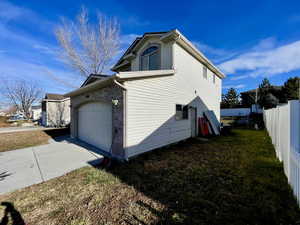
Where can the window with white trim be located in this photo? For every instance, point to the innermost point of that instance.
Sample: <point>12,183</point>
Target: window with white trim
<point>150,59</point>
<point>204,72</point>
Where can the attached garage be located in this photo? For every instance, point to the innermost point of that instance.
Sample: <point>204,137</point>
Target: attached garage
<point>97,118</point>
<point>95,124</point>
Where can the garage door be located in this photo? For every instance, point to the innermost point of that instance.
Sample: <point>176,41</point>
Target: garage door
<point>95,124</point>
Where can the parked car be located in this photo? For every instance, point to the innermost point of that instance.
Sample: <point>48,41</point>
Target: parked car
<point>16,118</point>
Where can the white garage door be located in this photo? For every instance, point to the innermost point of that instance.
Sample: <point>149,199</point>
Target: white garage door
<point>95,124</point>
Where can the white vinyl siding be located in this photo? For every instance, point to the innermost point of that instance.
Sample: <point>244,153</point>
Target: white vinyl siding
<point>151,103</point>
<point>204,72</point>
<point>151,112</point>
<point>190,72</point>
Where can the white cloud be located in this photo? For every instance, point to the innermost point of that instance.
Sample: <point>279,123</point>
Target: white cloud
<point>236,86</point>
<point>239,77</point>
<point>134,21</point>
<point>265,44</point>
<point>264,59</point>
<point>209,49</point>
<point>13,13</point>
<point>127,39</point>
<point>9,11</point>
<point>50,78</point>
<point>47,49</point>
<point>217,55</point>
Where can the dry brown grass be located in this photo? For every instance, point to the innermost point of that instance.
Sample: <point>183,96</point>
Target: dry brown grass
<point>3,121</point>
<point>24,139</point>
<point>230,180</point>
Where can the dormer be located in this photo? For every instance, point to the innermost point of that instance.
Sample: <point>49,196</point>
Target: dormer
<point>148,52</point>
<point>155,51</point>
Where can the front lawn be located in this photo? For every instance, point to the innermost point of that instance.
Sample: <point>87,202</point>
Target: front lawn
<point>3,121</point>
<point>232,180</point>
<point>24,139</point>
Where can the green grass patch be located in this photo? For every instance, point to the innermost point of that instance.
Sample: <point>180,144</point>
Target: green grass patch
<point>230,180</point>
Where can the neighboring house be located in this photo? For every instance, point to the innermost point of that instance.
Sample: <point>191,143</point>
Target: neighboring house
<point>55,110</point>
<point>249,97</point>
<point>162,85</point>
<point>36,112</point>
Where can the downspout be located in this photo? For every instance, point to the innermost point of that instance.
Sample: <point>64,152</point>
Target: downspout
<point>124,117</point>
<point>120,85</point>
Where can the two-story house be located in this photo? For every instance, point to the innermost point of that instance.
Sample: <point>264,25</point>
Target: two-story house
<point>162,85</point>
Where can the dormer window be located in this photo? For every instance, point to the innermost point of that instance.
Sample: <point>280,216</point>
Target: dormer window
<point>150,59</point>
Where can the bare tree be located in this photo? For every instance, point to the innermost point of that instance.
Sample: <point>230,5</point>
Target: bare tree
<point>22,94</point>
<point>89,48</point>
<point>57,115</point>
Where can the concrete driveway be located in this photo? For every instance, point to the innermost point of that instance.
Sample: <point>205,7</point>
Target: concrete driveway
<point>24,167</point>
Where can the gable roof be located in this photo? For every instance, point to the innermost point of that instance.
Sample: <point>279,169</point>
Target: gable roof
<point>254,90</point>
<point>172,35</point>
<point>94,77</point>
<point>52,96</point>
<point>133,44</point>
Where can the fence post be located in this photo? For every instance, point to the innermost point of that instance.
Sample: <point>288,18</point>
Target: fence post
<point>294,125</point>
<point>294,148</point>
<point>283,126</point>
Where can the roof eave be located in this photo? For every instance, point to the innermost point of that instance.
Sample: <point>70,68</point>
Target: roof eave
<point>121,76</point>
<point>130,75</point>
<point>176,36</point>
<point>91,87</point>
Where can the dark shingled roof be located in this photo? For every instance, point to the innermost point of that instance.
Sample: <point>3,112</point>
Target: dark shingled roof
<point>254,90</point>
<point>135,42</point>
<point>54,96</point>
<point>94,77</point>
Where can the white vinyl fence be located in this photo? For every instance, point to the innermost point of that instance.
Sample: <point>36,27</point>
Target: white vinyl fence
<point>283,126</point>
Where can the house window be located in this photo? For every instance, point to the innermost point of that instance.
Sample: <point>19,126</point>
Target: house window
<point>185,112</point>
<point>204,72</point>
<point>182,112</point>
<point>214,78</point>
<point>150,59</point>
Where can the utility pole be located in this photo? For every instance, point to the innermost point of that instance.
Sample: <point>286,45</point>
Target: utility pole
<point>256,96</point>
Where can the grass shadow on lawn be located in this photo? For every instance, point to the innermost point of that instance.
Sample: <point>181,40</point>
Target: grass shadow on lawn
<point>54,133</point>
<point>228,180</point>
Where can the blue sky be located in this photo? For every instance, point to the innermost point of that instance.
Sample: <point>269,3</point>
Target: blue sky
<point>247,40</point>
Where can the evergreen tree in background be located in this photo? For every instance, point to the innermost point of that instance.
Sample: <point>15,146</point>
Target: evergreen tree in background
<point>268,96</point>
<point>290,89</point>
<point>230,99</point>
<point>265,84</point>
